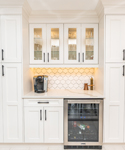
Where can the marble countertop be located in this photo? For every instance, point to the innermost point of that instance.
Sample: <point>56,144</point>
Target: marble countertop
<point>66,93</point>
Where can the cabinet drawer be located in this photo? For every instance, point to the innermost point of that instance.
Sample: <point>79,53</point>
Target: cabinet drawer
<point>43,102</point>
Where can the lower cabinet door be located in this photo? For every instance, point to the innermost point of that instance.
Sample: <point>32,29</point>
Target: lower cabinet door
<point>12,102</point>
<point>33,124</point>
<point>1,110</point>
<point>53,124</point>
<point>114,104</point>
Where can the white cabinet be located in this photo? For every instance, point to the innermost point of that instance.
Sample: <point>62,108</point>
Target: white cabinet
<point>81,43</point>
<point>38,44</point>
<point>90,43</point>
<point>55,43</point>
<point>72,43</point>
<point>53,124</point>
<point>34,124</point>
<point>115,38</point>
<point>11,38</point>
<point>43,120</point>
<point>76,44</point>
<point>114,103</point>
<point>1,108</point>
<point>12,102</point>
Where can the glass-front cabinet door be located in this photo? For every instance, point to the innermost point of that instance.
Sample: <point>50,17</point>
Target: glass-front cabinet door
<point>55,43</point>
<point>90,43</point>
<point>72,43</point>
<point>37,43</point>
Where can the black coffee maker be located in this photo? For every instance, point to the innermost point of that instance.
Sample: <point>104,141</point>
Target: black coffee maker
<point>40,83</point>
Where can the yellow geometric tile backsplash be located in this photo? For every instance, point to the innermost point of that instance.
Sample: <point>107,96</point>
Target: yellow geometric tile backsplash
<point>66,78</point>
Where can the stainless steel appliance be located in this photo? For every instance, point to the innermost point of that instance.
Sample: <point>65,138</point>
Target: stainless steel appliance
<point>83,123</point>
<point>40,83</point>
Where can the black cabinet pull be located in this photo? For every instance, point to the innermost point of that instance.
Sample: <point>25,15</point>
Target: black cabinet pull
<point>123,70</point>
<point>48,57</point>
<point>40,114</point>
<point>44,57</point>
<point>43,102</point>
<point>2,70</point>
<point>78,57</point>
<point>2,54</point>
<point>82,57</point>
<point>123,54</point>
<point>45,115</point>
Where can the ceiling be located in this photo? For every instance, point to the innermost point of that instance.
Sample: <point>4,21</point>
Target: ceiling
<point>63,4</point>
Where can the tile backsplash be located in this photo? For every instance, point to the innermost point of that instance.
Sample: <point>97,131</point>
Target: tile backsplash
<point>66,78</point>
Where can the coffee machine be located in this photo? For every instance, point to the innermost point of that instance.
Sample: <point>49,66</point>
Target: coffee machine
<point>40,83</point>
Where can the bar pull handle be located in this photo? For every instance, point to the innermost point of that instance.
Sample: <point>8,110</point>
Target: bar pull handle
<point>43,102</point>
<point>48,57</point>
<point>45,115</point>
<point>82,57</point>
<point>78,57</point>
<point>2,70</point>
<point>40,114</point>
<point>2,54</point>
<point>44,56</point>
<point>123,70</point>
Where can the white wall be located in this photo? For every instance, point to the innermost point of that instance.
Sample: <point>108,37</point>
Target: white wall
<point>27,74</point>
<point>99,73</point>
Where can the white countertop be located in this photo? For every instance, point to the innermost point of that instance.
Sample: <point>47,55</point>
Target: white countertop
<point>66,93</point>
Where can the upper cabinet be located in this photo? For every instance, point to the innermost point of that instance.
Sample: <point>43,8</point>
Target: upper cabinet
<point>37,43</point>
<point>90,43</point>
<point>11,45</point>
<point>72,43</point>
<point>55,43</point>
<point>77,44</point>
<point>115,38</point>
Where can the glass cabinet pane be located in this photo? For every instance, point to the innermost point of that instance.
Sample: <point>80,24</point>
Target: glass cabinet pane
<point>72,44</point>
<point>83,122</point>
<point>37,44</point>
<point>89,48</point>
<point>54,43</point>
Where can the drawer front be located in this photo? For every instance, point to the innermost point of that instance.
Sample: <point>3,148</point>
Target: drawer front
<point>43,102</point>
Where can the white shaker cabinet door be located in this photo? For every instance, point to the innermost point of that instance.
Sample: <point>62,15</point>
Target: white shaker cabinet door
<point>114,104</point>
<point>12,102</point>
<point>1,108</point>
<point>53,124</point>
<point>115,38</point>
<point>33,124</point>
<point>11,38</point>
